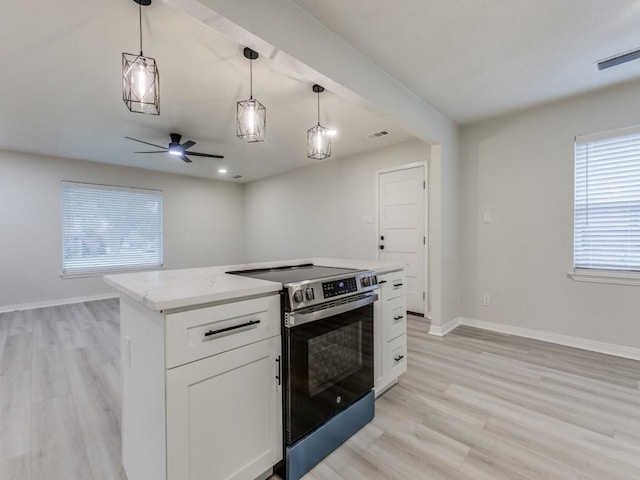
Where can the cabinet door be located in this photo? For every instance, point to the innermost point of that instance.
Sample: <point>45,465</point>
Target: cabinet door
<point>224,414</point>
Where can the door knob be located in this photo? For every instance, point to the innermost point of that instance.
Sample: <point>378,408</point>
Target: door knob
<point>381,237</point>
<point>381,247</point>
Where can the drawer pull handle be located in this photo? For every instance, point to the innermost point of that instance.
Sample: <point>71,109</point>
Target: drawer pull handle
<point>398,358</point>
<point>399,317</point>
<point>398,284</point>
<point>228,329</point>
<point>381,282</point>
<point>279,375</point>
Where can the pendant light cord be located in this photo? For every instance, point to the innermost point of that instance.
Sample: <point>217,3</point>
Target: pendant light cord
<point>140,22</point>
<point>318,108</point>
<point>250,79</point>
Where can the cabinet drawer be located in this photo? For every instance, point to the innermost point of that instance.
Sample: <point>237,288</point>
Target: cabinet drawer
<point>397,360</point>
<point>395,318</point>
<point>392,285</point>
<point>203,332</point>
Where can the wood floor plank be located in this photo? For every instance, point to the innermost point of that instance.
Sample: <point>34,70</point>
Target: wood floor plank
<point>16,468</point>
<point>64,460</point>
<point>49,374</point>
<point>15,415</point>
<point>16,355</point>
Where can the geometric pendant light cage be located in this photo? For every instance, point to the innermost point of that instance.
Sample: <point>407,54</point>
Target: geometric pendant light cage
<point>251,115</point>
<point>141,78</point>
<point>318,137</point>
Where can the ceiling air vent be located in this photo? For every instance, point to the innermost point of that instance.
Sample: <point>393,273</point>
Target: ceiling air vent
<point>237,176</point>
<point>618,59</point>
<point>381,133</point>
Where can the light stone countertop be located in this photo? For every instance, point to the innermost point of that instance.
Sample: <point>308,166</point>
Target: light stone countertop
<point>168,289</point>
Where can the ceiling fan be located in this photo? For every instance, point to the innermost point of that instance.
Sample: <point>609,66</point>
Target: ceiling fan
<point>177,149</point>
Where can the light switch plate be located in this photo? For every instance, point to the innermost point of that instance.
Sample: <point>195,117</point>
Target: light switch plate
<point>486,217</point>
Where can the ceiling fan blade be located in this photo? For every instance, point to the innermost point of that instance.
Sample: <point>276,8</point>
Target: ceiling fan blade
<point>188,144</point>
<point>156,151</point>
<point>186,159</point>
<point>147,143</point>
<point>198,154</point>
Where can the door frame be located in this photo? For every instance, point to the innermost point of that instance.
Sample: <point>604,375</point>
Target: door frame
<point>425,192</point>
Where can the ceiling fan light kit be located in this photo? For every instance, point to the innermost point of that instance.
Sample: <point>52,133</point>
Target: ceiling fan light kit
<point>318,138</point>
<point>141,78</point>
<point>176,148</point>
<point>251,115</point>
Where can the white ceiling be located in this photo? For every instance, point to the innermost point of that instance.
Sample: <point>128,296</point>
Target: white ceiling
<point>61,92</point>
<point>473,59</point>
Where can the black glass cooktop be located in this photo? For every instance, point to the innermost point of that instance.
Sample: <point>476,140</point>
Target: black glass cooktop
<point>297,273</point>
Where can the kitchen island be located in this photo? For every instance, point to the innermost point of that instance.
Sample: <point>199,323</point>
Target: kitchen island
<point>201,368</point>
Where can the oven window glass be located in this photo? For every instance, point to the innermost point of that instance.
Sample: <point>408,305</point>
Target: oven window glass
<point>334,356</point>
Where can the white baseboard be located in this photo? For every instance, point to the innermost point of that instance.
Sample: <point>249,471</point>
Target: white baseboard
<point>53,303</point>
<point>566,340</point>
<point>442,330</point>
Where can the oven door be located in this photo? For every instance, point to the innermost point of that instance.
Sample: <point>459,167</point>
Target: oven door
<point>329,362</point>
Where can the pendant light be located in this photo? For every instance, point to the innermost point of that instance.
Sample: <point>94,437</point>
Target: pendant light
<point>251,115</point>
<point>318,139</point>
<point>140,78</point>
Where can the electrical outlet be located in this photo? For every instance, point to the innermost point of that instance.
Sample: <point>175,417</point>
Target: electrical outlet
<point>486,217</point>
<point>486,300</point>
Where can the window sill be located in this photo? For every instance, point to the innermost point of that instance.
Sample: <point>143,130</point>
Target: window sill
<point>113,271</point>
<point>605,276</point>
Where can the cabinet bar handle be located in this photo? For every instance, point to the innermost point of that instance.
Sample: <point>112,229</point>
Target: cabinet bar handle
<point>279,371</point>
<point>397,284</point>
<point>228,329</point>
<point>398,317</point>
<point>398,358</point>
<point>381,282</point>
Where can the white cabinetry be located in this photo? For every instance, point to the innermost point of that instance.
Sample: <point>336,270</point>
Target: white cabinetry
<point>201,391</point>
<point>390,330</point>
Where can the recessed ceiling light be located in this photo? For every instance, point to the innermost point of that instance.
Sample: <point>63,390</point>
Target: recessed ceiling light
<point>222,170</point>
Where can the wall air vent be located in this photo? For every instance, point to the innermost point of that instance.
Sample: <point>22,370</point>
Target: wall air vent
<point>618,59</point>
<point>381,133</point>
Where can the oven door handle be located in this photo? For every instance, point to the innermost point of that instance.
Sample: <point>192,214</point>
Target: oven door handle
<point>294,319</point>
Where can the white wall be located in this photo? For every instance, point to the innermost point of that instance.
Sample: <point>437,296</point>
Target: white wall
<point>520,169</point>
<point>317,211</point>
<point>203,220</point>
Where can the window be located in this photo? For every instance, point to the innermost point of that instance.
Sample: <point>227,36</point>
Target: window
<point>607,201</point>
<point>106,228</point>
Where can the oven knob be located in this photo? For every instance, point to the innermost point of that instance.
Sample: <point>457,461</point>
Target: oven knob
<point>366,281</point>
<point>309,294</point>
<point>297,296</point>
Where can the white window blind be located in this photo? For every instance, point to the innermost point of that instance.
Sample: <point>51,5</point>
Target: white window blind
<point>607,201</point>
<point>106,228</point>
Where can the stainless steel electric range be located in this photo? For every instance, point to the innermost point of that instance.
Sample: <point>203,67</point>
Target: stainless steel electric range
<point>327,319</point>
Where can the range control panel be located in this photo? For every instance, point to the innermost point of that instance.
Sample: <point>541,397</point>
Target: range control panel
<point>306,293</point>
<point>339,287</point>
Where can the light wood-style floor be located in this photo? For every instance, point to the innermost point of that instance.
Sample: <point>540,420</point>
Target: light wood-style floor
<point>473,405</point>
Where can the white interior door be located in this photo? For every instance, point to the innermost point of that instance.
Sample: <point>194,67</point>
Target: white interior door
<point>401,227</point>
